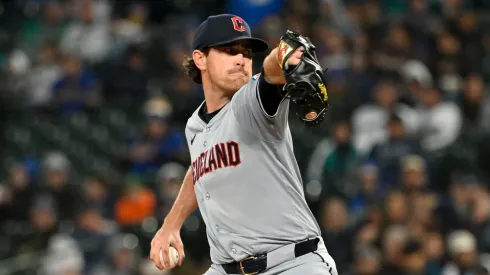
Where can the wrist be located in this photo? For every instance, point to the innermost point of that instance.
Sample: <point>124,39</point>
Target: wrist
<point>173,220</point>
<point>272,71</point>
<point>274,56</point>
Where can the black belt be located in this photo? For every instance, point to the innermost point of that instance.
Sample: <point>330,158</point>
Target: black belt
<point>255,264</point>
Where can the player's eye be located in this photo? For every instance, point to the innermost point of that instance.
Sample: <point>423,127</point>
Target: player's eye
<point>229,51</point>
<point>247,53</point>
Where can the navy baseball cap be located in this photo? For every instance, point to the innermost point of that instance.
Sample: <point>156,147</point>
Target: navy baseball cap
<point>223,29</point>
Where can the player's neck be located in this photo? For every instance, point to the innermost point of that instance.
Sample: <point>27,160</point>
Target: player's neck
<point>215,98</point>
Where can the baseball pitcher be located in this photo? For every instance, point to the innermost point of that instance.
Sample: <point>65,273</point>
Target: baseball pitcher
<point>244,176</point>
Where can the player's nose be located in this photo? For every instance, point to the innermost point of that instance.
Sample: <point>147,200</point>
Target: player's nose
<point>240,59</point>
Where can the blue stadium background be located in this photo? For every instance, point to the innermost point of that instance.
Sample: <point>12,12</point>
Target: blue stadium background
<point>93,104</point>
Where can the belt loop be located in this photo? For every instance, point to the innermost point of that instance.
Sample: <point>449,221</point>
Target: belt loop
<point>306,247</point>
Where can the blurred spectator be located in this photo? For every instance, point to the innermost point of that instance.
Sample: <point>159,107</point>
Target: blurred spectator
<point>462,248</point>
<point>44,29</point>
<point>337,59</point>
<point>56,169</point>
<point>159,143</point>
<point>63,257</point>
<point>367,234</point>
<point>448,63</point>
<point>452,8</point>
<point>127,80</point>
<point>339,165</point>
<point>131,29</point>
<point>317,159</point>
<point>359,80</point>
<point>77,89</point>
<point>457,205</point>
<point>467,27</point>
<point>18,195</point>
<point>422,218</point>
<point>435,251</point>
<point>253,12</point>
<point>17,66</point>
<point>42,226</point>
<point>394,50</point>
<point>88,38</point>
<point>137,203</point>
<point>369,120</point>
<point>367,262</point>
<point>169,180</point>
<point>369,192</point>
<point>99,194</point>
<point>93,235</point>
<point>417,78</point>
<point>485,41</point>
<point>414,259</point>
<point>185,99</point>
<point>336,231</point>
<point>480,216</point>
<point>3,116</point>
<point>148,268</point>
<point>440,121</point>
<point>389,154</point>
<point>475,106</point>
<point>414,175</point>
<point>420,21</point>
<point>45,71</point>
<point>121,258</point>
<point>394,240</point>
<point>396,211</point>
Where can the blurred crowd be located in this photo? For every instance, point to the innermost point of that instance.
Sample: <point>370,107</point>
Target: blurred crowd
<point>397,175</point>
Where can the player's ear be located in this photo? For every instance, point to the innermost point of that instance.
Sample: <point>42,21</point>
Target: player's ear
<point>199,59</point>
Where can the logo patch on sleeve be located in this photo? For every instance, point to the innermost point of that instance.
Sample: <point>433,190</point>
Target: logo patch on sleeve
<point>255,77</point>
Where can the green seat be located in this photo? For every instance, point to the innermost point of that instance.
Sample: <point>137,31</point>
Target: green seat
<point>99,133</point>
<point>117,150</point>
<point>60,135</point>
<point>7,162</point>
<point>113,118</point>
<point>19,137</point>
<point>78,149</point>
<point>79,122</point>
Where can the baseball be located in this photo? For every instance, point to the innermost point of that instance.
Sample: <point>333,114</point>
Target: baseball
<point>173,258</point>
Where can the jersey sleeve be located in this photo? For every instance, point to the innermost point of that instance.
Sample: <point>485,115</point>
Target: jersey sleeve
<point>267,123</point>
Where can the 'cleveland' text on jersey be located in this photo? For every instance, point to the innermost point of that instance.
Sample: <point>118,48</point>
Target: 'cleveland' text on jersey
<point>222,155</point>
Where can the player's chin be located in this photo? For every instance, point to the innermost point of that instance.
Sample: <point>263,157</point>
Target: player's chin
<point>241,80</point>
<point>237,83</point>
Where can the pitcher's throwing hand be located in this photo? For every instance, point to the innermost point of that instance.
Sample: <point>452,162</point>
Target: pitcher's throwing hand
<point>164,238</point>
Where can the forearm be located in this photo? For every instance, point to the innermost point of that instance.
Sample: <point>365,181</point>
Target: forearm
<point>272,71</point>
<point>185,203</point>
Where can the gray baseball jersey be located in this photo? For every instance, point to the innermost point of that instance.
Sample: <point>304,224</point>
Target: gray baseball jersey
<point>247,181</point>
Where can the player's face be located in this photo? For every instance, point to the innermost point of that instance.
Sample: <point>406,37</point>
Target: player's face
<point>230,67</point>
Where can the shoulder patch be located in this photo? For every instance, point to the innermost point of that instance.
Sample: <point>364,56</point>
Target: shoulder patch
<point>255,77</point>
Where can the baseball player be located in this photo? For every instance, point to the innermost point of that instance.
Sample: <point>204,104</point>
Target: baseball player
<point>244,176</point>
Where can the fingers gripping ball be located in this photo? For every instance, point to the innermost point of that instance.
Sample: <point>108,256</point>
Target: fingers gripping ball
<point>173,258</point>
<point>305,82</point>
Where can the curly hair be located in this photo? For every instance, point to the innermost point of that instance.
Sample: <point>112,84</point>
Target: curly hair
<point>191,70</point>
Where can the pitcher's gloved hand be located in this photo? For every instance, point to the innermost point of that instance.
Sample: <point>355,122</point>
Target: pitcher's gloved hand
<point>305,82</point>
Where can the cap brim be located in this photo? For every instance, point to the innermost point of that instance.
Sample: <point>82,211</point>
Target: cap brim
<point>258,45</point>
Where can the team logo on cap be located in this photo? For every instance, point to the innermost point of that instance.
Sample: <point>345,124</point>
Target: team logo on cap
<point>238,24</point>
